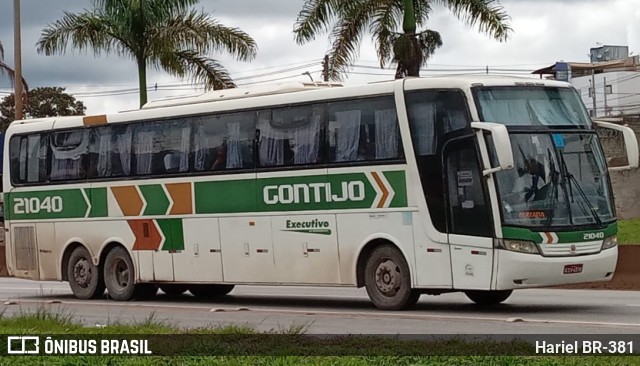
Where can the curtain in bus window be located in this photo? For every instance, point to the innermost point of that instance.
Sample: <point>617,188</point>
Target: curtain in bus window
<point>422,118</point>
<point>271,142</point>
<point>68,149</point>
<point>234,153</point>
<point>22,158</point>
<point>37,153</point>
<point>307,141</point>
<point>386,134</point>
<point>104,156</point>
<point>144,152</point>
<point>184,149</point>
<point>201,142</point>
<point>553,112</point>
<point>514,111</point>
<point>455,120</point>
<point>348,135</point>
<point>123,141</point>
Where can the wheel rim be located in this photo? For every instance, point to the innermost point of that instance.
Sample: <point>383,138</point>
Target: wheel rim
<point>388,277</point>
<point>82,273</point>
<point>121,273</point>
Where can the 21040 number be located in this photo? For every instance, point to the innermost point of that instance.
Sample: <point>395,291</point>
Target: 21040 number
<point>36,205</point>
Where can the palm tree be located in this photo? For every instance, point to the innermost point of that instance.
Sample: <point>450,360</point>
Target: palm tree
<point>348,21</point>
<point>6,69</point>
<point>162,34</point>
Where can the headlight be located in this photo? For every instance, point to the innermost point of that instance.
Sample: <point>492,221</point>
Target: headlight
<point>609,242</point>
<point>521,246</point>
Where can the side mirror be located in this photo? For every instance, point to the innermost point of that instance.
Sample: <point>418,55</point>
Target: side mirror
<point>501,142</point>
<point>630,142</point>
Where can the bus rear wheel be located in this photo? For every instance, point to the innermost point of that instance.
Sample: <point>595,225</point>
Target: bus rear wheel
<point>85,278</point>
<point>210,291</point>
<point>488,298</point>
<point>387,279</point>
<point>119,277</point>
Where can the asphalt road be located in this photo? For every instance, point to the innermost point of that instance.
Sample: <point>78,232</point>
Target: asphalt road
<point>346,310</point>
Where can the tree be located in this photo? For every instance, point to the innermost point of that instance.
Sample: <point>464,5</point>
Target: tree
<point>162,34</point>
<point>5,69</point>
<point>42,102</point>
<point>348,21</point>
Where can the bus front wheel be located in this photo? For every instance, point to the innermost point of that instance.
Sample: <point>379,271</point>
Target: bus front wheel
<point>387,279</point>
<point>488,298</point>
<point>119,277</point>
<point>84,277</point>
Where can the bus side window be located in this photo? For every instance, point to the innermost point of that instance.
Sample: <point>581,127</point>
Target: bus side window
<point>291,136</point>
<point>223,141</point>
<point>110,151</point>
<point>69,154</point>
<point>363,130</point>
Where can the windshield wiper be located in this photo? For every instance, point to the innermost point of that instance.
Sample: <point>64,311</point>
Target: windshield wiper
<point>572,179</point>
<point>554,191</point>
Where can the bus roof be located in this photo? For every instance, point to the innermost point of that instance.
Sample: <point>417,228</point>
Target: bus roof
<point>237,93</point>
<point>259,96</point>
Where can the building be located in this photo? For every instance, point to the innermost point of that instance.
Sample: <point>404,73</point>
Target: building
<point>617,81</point>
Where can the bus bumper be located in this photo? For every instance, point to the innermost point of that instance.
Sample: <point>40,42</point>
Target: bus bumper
<point>519,270</point>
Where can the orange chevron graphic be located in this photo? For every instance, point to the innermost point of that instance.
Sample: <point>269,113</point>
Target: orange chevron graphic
<point>128,199</point>
<point>549,238</point>
<point>181,196</point>
<point>385,191</point>
<point>147,235</point>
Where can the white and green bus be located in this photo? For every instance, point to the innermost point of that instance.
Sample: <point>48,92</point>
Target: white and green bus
<point>416,186</point>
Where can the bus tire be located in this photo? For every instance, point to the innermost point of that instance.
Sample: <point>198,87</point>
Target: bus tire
<point>119,277</point>
<point>488,298</point>
<point>387,279</point>
<point>210,291</point>
<point>85,278</point>
<point>173,290</point>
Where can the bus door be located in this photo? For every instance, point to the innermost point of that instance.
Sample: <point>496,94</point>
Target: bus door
<point>469,220</point>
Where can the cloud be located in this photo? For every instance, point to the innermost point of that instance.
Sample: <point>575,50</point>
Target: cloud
<point>545,31</point>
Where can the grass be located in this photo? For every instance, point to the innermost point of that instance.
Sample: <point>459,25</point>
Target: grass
<point>629,231</point>
<point>390,351</point>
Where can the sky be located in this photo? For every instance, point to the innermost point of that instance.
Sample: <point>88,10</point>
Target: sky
<point>544,31</point>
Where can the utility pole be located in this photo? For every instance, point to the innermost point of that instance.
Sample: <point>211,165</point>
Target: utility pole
<point>325,68</point>
<point>605,97</point>
<point>593,88</point>
<point>17,47</point>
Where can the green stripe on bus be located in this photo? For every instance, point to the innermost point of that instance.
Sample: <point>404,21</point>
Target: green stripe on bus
<point>294,193</point>
<point>563,236</point>
<point>98,198</point>
<point>156,199</point>
<point>399,183</point>
<point>298,193</point>
<point>229,196</point>
<point>173,233</point>
<point>54,204</point>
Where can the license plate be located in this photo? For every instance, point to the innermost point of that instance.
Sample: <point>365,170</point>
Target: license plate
<point>572,268</point>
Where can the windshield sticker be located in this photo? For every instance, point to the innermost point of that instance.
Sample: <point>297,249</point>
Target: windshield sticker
<point>536,143</point>
<point>465,178</point>
<point>558,140</point>
<point>532,215</point>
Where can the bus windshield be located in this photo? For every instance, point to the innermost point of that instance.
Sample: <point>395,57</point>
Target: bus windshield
<point>531,106</point>
<point>558,180</point>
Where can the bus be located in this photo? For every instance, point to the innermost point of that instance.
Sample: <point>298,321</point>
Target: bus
<point>479,185</point>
